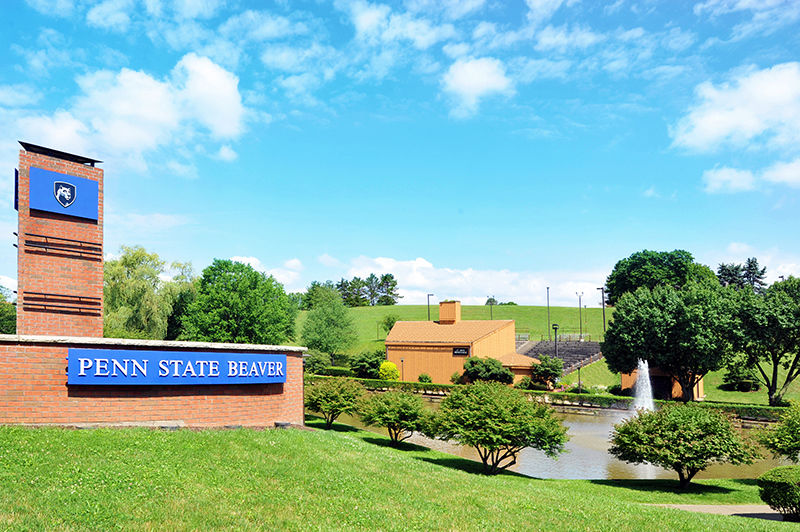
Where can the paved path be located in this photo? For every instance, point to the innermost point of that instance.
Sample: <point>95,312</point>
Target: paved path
<point>759,511</point>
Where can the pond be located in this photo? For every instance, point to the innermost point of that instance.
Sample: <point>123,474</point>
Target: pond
<point>587,453</point>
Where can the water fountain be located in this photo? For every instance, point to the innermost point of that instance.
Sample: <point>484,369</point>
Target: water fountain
<point>643,391</point>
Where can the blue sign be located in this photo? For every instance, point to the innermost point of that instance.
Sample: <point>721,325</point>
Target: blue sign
<point>119,367</point>
<point>63,194</point>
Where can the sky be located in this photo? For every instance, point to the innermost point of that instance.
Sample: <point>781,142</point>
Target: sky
<point>471,148</point>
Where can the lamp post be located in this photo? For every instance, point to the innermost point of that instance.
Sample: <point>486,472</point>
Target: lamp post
<point>555,337</point>
<point>402,371</point>
<point>548,313</point>
<point>491,304</point>
<point>429,307</point>
<point>580,316</point>
<point>603,303</point>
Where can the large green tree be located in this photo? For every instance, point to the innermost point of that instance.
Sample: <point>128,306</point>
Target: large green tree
<point>8,313</point>
<point>499,422</point>
<point>318,292</point>
<point>329,327</point>
<point>769,335</point>
<point>740,275</point>
<point>686,333</point>
<point>654,268</point>
<point>236,303</point>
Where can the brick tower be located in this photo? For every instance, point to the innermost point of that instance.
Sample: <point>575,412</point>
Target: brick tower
<point>59,197</point>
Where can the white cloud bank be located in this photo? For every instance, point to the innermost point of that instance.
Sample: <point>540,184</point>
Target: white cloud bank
<point>470,80</point>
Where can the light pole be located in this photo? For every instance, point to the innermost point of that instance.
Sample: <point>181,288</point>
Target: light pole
<point>491,304</point>
<point>555,337</point>
<point>580,316</point>
<point>402,371</point>
<point>548,313</point>
<point>429,307</point>
<point>603,303</point>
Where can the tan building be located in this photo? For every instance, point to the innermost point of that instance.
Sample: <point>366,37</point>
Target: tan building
<point>663,385</point>
<point>440,348</point>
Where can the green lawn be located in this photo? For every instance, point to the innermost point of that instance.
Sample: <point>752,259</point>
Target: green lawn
<point>327,480</point>
<point>528,319</point>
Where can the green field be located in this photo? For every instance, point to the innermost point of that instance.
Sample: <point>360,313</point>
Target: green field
<point>345,479</point>
<point>528,319</point>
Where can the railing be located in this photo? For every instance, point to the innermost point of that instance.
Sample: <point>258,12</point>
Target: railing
<point>61,303</point>
<point>68,247</point>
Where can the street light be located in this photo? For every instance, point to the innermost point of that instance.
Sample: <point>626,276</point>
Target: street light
<point>402,371</point>
<point>603,303</point>
<point>429,307</point>
<point>580,315</point>
<point>548,313</point>
<point>555,336</point>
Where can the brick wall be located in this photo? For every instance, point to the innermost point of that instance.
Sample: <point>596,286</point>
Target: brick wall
<point>33,390</point>
<point>45,271</point>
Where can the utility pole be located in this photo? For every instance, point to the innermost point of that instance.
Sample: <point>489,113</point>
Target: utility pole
<point>580,315</point>
<point>548,313</point>
<point>603,303</point>
<point>429,307</point>
<point>491,304</point>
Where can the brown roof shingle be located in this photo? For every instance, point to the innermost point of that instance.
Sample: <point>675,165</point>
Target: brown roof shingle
<point>415,332</point>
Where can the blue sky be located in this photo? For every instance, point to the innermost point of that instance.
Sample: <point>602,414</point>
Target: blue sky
<point>470,147</point>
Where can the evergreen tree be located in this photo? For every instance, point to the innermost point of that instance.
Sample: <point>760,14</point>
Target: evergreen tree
<point>388,290</point>
<point>754,276</point>
<point>731,275</point>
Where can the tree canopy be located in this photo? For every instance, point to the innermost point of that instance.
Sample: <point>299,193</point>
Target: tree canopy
<point>8,313</point>
<point>499,422</point>
<point>236,303</point>
<point>329,327</point>
<point>739,276</point>
<point>768,335</point>
<point>684,438</point>
<point>401,413</point>
<point>784,438</point>
<point>333,397</point>
<point>654,268</point>
<point>487,369</point>
<point>686,333</point>
<point>373,290</point>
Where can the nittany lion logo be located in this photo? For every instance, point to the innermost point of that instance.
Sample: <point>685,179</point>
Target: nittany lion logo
<point>65,193</point>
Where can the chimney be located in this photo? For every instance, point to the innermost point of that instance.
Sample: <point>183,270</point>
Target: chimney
<point>449,312</point>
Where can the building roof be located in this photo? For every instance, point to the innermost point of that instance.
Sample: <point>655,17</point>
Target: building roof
<point>517,360</point>
<point>431,332</point>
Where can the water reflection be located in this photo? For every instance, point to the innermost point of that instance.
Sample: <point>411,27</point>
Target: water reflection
<point>587,453</point>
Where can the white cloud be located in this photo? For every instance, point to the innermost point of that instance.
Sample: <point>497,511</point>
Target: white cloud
<point>329,261</point>
<point>187,170</point>
<point>728,180</point>
<point>18,95</point>
<point>422,33</point>
<point>288,277</point>
<point>190,9</point>
<point>226,153</point>
<point>767,15</point>
<point>470,80</point>
<point>293,264</point>
<point>562,38</point>
<point>9,283</point>
<point>651,192</point>
<point>261,26</point>
<point>419,277</point>
<point>454,50</point>
<point>757,105</point>
<point>787,173</point>
<point>542,10</point>
<point>61,8</point>
<point>527,70</point>
<point>452,9</point>
<point>110,15</point>
<point>125,114</point>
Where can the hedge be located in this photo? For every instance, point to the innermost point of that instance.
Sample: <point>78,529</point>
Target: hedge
<point>780,488</point>
<point>377,384</point>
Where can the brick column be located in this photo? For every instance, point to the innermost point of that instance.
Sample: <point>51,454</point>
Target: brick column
<point>60,256</point>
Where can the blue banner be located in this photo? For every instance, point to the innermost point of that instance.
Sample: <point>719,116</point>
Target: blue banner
<point>119,367</point>
<point>63,194</point>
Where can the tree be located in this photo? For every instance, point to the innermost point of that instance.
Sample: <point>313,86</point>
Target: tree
<point>685,333</point>
<point>367,364</point>
<point>487,369</point>
<point>768,335</point>
<point>738,276</point>
<point>388,322</point>
<point>731,275</point>
<point>388,371</point>
<point>329,327</point>
<point>491,301</point>
<point>135,305</point>
<point>316,362</point>
<point>401,413</point>
<point>548,370</point>
<point>180,292</point>
<point>655,268</point>
<point>684,438</point>
<point>372,289</point>
<point>784,438</point>
<point>236,303</point>
<point>317,293</point>
<point>333,397</point>
<point>8,313</point>
<point>388,290</point>
<point>499,422</point>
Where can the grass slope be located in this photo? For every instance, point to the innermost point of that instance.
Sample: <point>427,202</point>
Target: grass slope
<point>528,319</point>
<point>298,480</point>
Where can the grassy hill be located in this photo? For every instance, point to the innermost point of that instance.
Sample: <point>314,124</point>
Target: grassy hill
<point>141,479</point>
<point>529,319</point>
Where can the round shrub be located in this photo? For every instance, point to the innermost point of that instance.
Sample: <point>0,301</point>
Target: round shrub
<point>316,362</point>
<point>388,372</point>
<point>425,378</point>
<point>780,488</point>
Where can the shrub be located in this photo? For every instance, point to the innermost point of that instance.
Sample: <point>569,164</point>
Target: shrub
<point>741,378</point>
<point>499,422</point>
<point>424,377</point>
<point>784,438</point>
<point>780,488</point>
<point>400,412</point>
<point>316,361</point>
<point>617,390</point>
<point>388,372</point>
<point>487,369</point>
<point>333,397</point>
<point>548,370</point>
<point>526,383</point>
<point>457,378</point>
<point>336,371</point>
<point>367,364</point>
<point>682,437</point>
<point>388,322</point>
